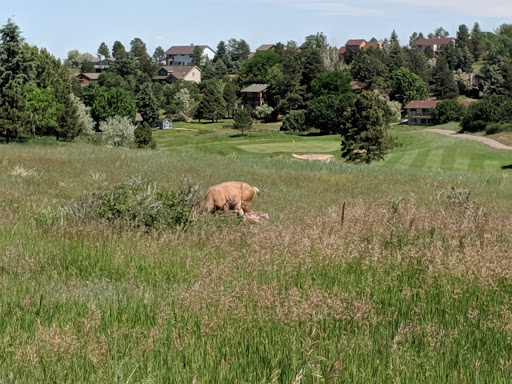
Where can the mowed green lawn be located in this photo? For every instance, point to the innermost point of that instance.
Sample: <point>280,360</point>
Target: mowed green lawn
<point>428,150</point>
<point>418,150</point>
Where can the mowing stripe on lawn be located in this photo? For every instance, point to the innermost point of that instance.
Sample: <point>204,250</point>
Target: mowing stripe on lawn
<point>420,159</point>
<point>448,158</point>
<point>434,159</point>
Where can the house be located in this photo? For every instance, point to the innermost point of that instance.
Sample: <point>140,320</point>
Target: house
<point>102,63</point>
<point>182,55</point>
<point>437,44</point>
<point>172,73</point>
<point>254,95</point>
<point>418,111</point>
<point>86,78</point>
<point>353,47</point>
<point>266,47</point>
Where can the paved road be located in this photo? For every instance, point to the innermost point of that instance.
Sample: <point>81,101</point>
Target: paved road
<point>485,140</point>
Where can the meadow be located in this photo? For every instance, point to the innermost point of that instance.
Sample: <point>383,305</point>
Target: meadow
<point>411,283</point>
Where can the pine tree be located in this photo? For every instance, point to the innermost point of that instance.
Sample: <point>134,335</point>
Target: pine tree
<point>444,86</point>
<point>103,50</point>
<point>16,69</point>
<point>14,115</point>
<point>462,36</point>
<point>221,51</point>
<point>159,56</point>
<point>118,50</point>
<point>365,132</point>
<point>197,56</point>
<point>146,103</point>
<point>230,97</point>
<point>477,45</point>
<point>212,105</point>
<point>144,136</point>
<point>243,120</point>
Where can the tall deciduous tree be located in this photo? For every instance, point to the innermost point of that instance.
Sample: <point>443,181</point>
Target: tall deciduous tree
<point>112,102</point>
<point>364,132</point>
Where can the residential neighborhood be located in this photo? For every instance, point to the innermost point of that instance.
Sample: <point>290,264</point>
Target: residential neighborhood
<point>306,192</point>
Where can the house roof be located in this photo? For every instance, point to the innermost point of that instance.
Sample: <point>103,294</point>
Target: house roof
<point>89,75</point>
<point>185,49</point>
<point>372,44</point>
<point>433,103</point>
<point>265,47</point>
<point>431,42</point>
<point>357,42</point>
<point>255,88</point>
<point>138,117</point>
<point>178,71</point>
<point>342,50</point>
<point>356,85</point>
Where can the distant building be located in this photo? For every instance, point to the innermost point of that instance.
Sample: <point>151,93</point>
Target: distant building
<point>353,47</point>
<point>254,95</point>
<point>102,63</point>
<point>437,44</point>
<point>172,73</point>
<point>86,78</point>
<point>418,111</point>
<point>182,55</point>
<point>266,47</point>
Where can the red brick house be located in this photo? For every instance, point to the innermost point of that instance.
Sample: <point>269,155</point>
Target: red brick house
<point>254,95</point>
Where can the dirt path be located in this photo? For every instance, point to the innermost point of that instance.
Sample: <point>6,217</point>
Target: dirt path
<point>485,140</point>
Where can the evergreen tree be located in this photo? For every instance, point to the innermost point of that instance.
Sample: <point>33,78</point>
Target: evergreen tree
<point>397,58</point>
<point>477,46</point>
<point>197,56</point>
<point>364,131</point>
<point>14,115</point>
<point>393,40</point>
<point>443,82</point>
<point>230,97</point>
<point>159,56</point>
<point>212,105</point>
<point>221,51</point>
<point>118,50</point>
<point>146,103</point>
<point>103,50</point>
<point>239,50</point>
<point>144,136</point>
<point>16,69</point>
<point>462,36</point>
<point>243,120</point>
<point>368,69</point>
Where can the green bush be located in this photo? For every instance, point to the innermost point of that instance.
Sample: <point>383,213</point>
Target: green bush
<point>447,111</point>
<point>139,203</point>
<point>144,136</point>
<point>295,121</point>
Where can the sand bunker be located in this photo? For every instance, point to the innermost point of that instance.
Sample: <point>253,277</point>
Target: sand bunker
<point>321,157</point>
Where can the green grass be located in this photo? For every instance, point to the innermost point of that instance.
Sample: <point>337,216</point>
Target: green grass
<point>419,150</point>
<point>413,287</point>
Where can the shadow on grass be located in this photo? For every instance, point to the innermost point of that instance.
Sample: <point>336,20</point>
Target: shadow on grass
<point>507,166</point>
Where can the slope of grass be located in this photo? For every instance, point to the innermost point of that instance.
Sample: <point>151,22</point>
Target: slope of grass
<point>413,285</point>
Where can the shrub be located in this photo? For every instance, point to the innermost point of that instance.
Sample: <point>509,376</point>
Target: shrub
<point>295,121</point>
<point>117,131</point>
<point>492,109</point>
<point>144,136</point>
<point>264,112</point>
<point>447,111</point>
<point>139,203</point>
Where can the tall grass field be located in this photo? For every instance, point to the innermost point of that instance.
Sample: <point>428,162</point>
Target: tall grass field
<point>395,272</point>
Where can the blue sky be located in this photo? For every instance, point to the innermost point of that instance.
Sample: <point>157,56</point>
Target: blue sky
<point>61,26</point>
